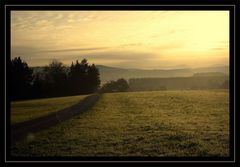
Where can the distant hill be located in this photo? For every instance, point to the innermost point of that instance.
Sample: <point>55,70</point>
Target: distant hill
<point>221,69</point>
<point>112,73</point>
<point>179,83</point>
<point>209,74</point>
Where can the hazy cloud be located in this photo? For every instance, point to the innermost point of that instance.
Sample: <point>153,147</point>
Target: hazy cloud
<point>118,55</point>
<point>218,48</point>
<point>75,49</point>
<point>23,51</point>
<point>169,46</point>
<point>130,38</point>
<point>131,44</point>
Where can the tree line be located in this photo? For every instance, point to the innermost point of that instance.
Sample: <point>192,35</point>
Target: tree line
<point>55,80</point>
<point>58,80</point>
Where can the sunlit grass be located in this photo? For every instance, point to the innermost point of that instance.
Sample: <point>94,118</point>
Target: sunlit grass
<point>30,109</point>
<point>163,123</point>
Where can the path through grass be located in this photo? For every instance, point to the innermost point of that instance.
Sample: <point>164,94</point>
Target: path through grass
<point>161,123</point>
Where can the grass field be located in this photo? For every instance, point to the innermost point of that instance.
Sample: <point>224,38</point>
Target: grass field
<point>30,109</point>
<point>158,123</point>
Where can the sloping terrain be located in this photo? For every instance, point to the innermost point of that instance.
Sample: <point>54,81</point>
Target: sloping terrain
<point>160,123</point>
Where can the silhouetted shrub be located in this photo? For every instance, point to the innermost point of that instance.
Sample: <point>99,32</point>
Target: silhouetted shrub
<point>120,85</point>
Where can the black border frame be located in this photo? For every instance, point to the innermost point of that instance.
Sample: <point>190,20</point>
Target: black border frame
<point>231,5</point>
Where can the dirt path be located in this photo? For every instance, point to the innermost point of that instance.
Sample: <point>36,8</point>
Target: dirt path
<point>21,130</point>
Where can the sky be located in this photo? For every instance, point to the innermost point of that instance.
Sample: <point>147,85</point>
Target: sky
<point>127,39</point>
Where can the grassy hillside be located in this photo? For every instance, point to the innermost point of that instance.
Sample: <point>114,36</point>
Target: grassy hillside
<point>30,109</point>
<point>167,123</point>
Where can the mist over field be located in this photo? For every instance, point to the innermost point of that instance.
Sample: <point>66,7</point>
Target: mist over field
<point>158,79</point>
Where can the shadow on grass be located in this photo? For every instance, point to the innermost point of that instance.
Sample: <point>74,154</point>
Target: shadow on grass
<point>24,129</point>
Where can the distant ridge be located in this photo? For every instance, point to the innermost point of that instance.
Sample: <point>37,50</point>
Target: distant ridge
<point>108,73</point>
<point>113,73</point>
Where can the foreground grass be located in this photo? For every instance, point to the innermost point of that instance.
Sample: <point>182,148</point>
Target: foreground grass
<point>167,123</point>
<point>30,109</point>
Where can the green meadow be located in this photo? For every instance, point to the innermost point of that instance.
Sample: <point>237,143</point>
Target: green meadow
<point>154,123</point>
<point>30,109</point>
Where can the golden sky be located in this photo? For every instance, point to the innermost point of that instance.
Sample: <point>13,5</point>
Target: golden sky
<point>128,39</point>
